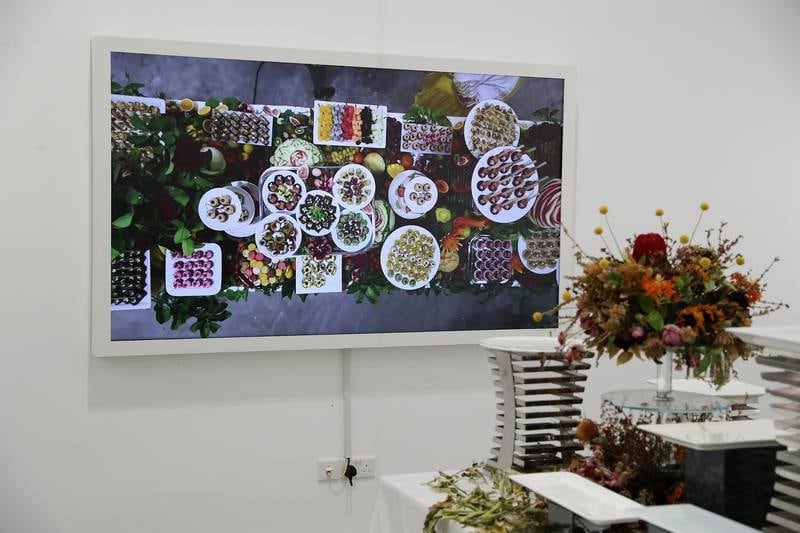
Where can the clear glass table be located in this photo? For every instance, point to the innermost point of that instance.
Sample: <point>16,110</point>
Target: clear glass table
<point>680,403</point>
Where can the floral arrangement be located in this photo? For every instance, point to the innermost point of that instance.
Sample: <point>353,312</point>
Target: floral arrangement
<point>487,501</point>
<point>634,463</point>
<point>658,294</point>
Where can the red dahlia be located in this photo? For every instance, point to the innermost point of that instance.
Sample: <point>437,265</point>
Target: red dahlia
<point>650,244</point>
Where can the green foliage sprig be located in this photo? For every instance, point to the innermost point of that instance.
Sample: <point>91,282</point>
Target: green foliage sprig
<point>487,500</point>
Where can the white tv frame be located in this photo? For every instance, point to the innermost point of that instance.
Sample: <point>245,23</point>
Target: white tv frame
<point>103,46</point>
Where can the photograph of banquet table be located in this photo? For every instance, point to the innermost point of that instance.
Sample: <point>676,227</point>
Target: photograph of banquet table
<point>438,194</point>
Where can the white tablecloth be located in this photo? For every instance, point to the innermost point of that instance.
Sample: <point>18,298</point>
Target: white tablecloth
<point>403,502</point>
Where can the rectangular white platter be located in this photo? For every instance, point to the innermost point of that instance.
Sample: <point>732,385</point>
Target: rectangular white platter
<point>686,518</point>
<point>709,436</point>
<point>333,283</point>
<point>785,338</point>
<point>580,496</point>
<point>145,302</point>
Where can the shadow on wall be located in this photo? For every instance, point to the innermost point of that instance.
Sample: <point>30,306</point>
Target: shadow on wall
<point>211,379</point>
<point>165,381</point>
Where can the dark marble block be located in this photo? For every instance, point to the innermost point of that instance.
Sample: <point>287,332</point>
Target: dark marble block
<point>733,483</point>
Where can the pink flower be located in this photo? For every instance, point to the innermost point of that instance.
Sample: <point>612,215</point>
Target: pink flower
<point>637,333</point>
<point>671,336</point>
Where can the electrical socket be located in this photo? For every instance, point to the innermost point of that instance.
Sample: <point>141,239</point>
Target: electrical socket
<point>365,465</point>
<point>332,468</point>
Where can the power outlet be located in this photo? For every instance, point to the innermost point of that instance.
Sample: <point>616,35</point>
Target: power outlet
<point>365,464</point>
<point>332,468</point>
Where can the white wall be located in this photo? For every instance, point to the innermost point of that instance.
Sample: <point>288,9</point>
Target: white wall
<point>686,101</point>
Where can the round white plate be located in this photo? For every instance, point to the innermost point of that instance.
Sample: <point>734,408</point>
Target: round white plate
<point>212,223</point>
<point>248,204</point>
<point>522,244</point>
<point>471,117</point>
<point>261,230</point>
<point>398,203</point>
<point>389,243</point>
<point>337,189</point>
<point>270,178</point>
<point>333,203</point>
<point>422,180</point>
<point>363,244</point>
<point>245,230</point>
<point>504,216</point>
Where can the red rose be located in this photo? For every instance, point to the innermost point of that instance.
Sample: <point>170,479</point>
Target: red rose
<point>166,209</point>
<point>188,156</point>
<point>650,244</point>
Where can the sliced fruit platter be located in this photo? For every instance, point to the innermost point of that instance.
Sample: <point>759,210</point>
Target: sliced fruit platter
<point>348,124</point>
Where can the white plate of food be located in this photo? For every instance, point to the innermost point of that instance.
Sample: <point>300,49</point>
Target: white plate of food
<point>278,236</point>
<point>353,186</point>
<point>397,191</point>
<point>410,257</point>
<point>505,183</point>
<point>318,213</point>
<point>220,209</point>
<point>490,124</point>
<point>246,230</point>
<point>316,276</point>
<point>421,194</point>
<point>241,127</point>
<point>539,256</point>
<point>248,205</point>
<point>353,231</point>
<point>196,274</point>
<point>130,281</point>
<point>426,138</point>
<point>282,190</point>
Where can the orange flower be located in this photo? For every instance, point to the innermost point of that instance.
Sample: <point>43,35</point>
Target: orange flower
<point>658,288</point>
<point>698,315</point>
<point>698,271</point>
<point>747,286</point>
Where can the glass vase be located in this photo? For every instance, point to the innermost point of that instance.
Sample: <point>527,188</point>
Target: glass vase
<point>664,377</point>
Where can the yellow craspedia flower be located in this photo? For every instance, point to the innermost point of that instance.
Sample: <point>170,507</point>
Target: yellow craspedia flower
<point>704,206</point>
<point>705,262</point>
<point>598,230</point>
<point>537,316</point>
<point>740,260</point>
<point>603,209</point>
<point>659,212</point>
<point>684,239</point>
<point>603,263</point>
<point>566,296</point>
